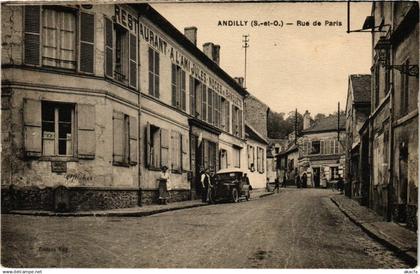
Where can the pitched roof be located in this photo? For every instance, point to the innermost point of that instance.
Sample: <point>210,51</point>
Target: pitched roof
<point>251,133</point>
<point>327,124</point>
<point>361,87</point>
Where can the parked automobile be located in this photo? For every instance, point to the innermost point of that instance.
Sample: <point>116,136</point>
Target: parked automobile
<point>230,184</point>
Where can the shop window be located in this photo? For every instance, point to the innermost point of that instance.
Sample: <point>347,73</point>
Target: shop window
<point>54,38</point>
<point>50,129</point>
<point>57,129</point>
<point>315,147</point>
<point>334,173</point>
<point>153,73</point>
<point>237,157</point>
<point>178,87</point>
<point>124,139</point>
<point>121,50</point>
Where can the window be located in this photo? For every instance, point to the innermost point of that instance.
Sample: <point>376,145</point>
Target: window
<point>223,159</point>
<point>334,173</point>
<point>251,158</point>
<point>217,105</point>
<point>210,106</point>
<point>236,157</point>
<point>277,150</point>
<point>404,91</point>
<point>315,147</point>
<point>260,160</point>
<point>59,38</point>
<point>124,139</point>
<point>193,93</point>
<point>377,81</point>
<point>153,73</point>
<point>121,50</point>
<point>237,121</point>
<point>50,129</point>
<point>50,38</point>
<point>176,153</point>
<point>204,103</point>
<point>178,87</point>
<point>57,129</point>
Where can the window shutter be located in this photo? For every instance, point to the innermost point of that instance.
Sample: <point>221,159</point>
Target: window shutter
<point>87,42</point>
<point>32,36</point>
<point>263,159</point>
<point>156,70</point>
<point>133,61</point>
<point>32,127</point>
<point>164,147</point>
<point>184,148</point>
<point>206,153</point>
<point>118,137</point>
<point>183,95</point>
<point>174,85</point>
<point>240,123</point>
<point>86,144</point>
<point>133,140</point>
<point>192,97</point>
<point>148,143</point>
<point>108,47</point>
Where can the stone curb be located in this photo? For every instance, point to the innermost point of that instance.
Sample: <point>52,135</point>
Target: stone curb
<point>406,254</point>
<point>114,214</point>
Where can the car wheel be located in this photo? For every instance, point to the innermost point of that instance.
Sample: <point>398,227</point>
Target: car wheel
<point>235,195</point>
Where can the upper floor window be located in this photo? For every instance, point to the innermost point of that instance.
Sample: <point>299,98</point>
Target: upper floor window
<point>51,38</point>
<point>121,49</point>
<point>178,87</point>
<point>153,73</point>
<point>315,147</point>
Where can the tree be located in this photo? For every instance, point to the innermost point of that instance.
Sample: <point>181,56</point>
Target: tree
<point>319,116</point>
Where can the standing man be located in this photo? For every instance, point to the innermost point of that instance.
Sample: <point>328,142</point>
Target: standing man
<point>304,180</point>
<point>205,181</point>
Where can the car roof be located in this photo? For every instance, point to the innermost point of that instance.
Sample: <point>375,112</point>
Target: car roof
<point>229,170</point>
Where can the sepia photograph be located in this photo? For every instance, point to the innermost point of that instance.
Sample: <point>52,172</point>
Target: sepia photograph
<point>228,135</point>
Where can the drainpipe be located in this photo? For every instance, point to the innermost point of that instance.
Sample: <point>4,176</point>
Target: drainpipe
<point>139,140</point>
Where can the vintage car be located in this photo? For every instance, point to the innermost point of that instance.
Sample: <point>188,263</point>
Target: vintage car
<point>230,184</point>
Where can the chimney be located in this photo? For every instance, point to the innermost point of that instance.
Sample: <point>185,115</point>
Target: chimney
<point>191,34</point>
<point>306,120</point>
<point>240,81</point>
<point>208,49</point>
<point>216,54</point>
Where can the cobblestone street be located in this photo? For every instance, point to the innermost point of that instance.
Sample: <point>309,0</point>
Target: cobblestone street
<point>298,228</point>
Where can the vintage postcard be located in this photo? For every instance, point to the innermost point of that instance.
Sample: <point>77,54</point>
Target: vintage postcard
<point>203,135</point>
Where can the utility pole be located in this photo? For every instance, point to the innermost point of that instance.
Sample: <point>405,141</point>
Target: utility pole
<point>245,46</point>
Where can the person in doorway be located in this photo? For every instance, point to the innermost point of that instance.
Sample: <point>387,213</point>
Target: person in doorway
<point>205,181</point>
<point>297,180</point>
<point>164,180</point>
<point>304,180</point>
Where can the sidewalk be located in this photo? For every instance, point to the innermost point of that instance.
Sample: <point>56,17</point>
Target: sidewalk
<point>392,235</point>
<point>133,211</point>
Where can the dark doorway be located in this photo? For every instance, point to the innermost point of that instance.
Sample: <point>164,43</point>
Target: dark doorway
<point>316,176</point>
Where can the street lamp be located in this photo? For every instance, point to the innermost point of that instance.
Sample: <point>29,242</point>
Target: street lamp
<point>382,49</point>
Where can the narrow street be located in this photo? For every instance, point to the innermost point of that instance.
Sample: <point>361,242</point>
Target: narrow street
<point>298,228</point>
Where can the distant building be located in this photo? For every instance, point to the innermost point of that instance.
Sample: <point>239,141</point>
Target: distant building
<point>275,147</point>
<point>257,155</point>
<point>287,163</point>
<point>321,152</point>
<point>357,112</point>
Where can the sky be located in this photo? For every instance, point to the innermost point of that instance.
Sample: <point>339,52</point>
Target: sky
<point>303,67</point>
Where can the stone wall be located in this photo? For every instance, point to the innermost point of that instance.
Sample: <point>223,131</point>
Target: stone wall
<point>256,114</point>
